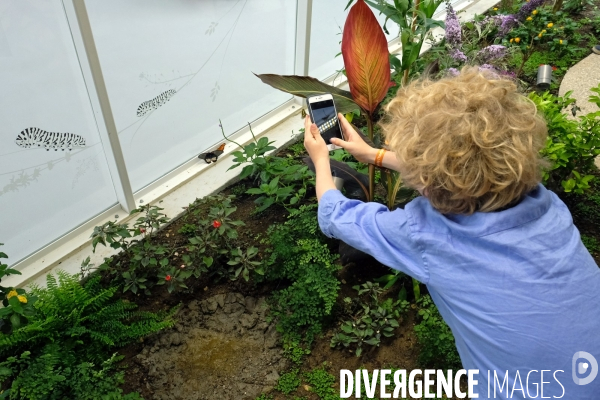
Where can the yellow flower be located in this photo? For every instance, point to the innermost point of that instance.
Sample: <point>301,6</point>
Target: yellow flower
<point>517,40</point>
<point>495,8</point>
<point>534,12</point>
<point>12,293</point>
<point>540,35</point>
<point>550,25</point>
<point>560,41</point>
<point>511,40</point>
<point>529,19</point>
<point>22,299</point>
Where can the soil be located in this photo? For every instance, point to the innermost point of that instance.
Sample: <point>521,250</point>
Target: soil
<point>222,347</point>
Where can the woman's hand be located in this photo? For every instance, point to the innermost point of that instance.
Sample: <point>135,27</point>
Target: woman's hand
<point>354,143</point>
<point>314,142</point>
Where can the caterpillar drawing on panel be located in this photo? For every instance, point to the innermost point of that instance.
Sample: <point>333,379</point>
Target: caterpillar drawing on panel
<point>36,137</point>
<point>155,102</point>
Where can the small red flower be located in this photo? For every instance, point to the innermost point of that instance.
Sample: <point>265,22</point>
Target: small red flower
<point>554,68</point>
<point>216,224</point>
<point>168,278</point>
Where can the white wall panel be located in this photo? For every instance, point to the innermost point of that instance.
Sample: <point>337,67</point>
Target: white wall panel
<point>200,55</point>
<point>45,193</point>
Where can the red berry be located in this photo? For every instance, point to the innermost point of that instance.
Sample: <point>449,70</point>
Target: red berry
<point>216,224</point>
<point>168,278</point>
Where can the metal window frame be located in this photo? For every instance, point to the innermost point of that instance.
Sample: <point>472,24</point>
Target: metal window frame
<point>85,46</point>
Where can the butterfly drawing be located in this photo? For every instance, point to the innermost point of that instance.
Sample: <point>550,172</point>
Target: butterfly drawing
<point>212,155</point>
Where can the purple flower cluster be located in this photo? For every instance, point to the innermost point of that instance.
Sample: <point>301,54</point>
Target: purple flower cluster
<point>490,53</point>
<point>452,72</point>
<point>508,22</point>
<point>453,29</point>
<point>495,20</point>
<point>458,55</point>
<point>528,8</point>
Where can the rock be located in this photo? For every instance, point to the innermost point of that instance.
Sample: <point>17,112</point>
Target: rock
<point>175,339</point>
<point>250,303</point>
<point>240,298</point>
<point>165,340</point>
<point>271,337</point>
<point>261,305</point>
<point>232,308</point>
<point>248,321</point>
<point>272,378</point>
<point>194,305</point>
<point>262,326</point>
<point>212,304</point>
<point>230,298</point>
<point>220,298</point>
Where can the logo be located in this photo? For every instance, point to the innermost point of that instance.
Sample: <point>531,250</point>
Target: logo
<point>582,368</point>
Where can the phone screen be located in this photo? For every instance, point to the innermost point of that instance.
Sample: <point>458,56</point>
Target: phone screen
<point>324,116</point>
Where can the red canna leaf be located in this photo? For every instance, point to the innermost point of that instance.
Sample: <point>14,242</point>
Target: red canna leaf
<point>366,57</point>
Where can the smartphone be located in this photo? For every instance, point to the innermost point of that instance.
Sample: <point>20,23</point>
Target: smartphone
<point>323,113</point>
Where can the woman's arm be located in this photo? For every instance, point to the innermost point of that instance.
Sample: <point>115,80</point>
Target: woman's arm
<point>356,146</point>
<point>319,153</point>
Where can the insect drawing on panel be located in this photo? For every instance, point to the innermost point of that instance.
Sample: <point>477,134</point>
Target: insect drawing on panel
<point>213,155</point>
<point>36,137</point>
<point>156,102</point>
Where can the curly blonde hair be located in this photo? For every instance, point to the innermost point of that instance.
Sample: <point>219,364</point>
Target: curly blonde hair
<point>469,142</point>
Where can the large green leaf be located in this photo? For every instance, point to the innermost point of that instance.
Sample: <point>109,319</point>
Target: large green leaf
<point>306,86</point>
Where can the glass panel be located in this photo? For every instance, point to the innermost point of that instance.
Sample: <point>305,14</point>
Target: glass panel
<point>173,68</point>
<point>53,172</point>
<point>328,19</point>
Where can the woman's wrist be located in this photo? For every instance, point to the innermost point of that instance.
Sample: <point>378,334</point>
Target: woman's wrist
<point>372,155</point>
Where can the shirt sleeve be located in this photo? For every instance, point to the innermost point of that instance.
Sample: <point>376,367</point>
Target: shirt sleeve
<point>373,229</point>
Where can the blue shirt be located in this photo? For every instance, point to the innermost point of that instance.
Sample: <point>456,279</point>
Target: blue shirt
<point>517,287</point>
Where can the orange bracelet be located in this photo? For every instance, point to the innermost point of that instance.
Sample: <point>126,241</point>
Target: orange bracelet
<point>379,157</point>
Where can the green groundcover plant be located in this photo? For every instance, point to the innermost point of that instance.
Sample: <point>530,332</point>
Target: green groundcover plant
<point>66,350</point>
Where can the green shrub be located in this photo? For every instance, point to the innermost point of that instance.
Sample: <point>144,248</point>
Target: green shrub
<point>572,145</point>
<point>17,305</point>
<point>278,180</point>
<point>437,342</point>
<point>321,383</point>
<point>145,262</point>
<point>51,375</point>
<point>288,382</point>
<point>371,318</point>
<point>300,256</point>
<point>293,348</point>
<point>65,350</point>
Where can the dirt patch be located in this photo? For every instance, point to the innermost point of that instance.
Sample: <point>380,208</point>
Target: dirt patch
<point>222,347</point>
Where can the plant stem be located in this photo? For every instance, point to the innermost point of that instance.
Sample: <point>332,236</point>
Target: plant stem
<point>413,28</point>
<point>371,166</point>
<point>229,140</point>
<point>525,58</point>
